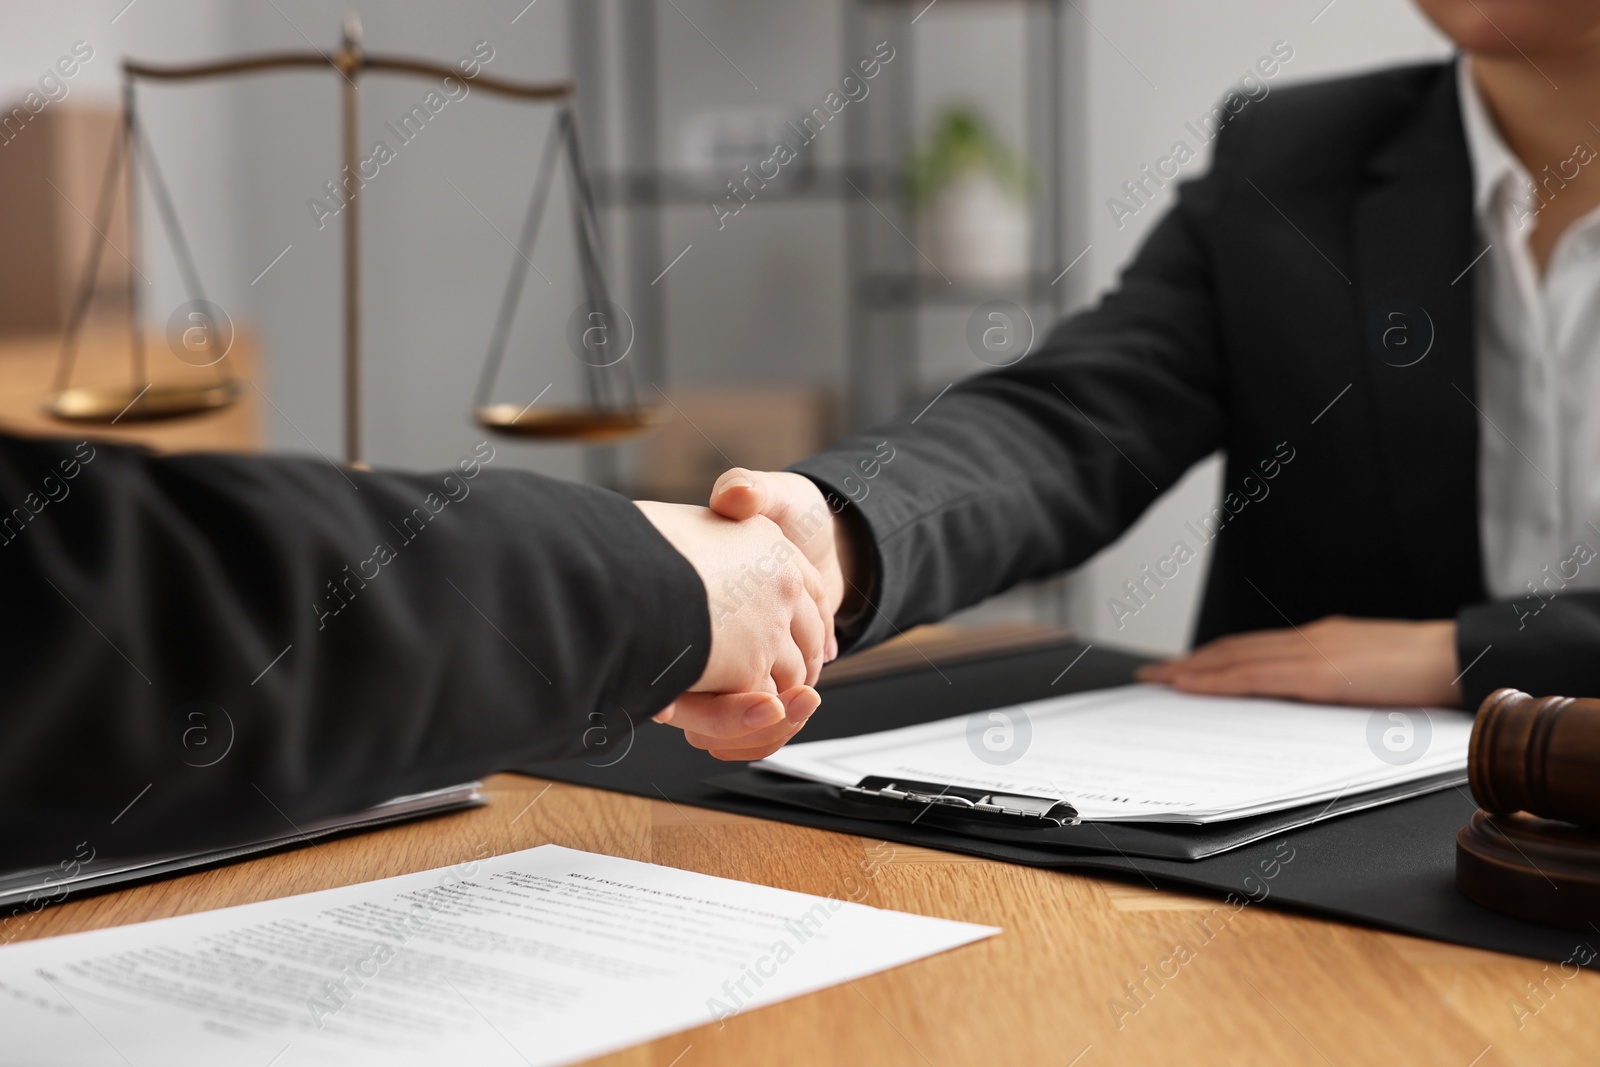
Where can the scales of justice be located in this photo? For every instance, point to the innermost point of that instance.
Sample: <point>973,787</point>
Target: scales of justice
<point>612,409</point>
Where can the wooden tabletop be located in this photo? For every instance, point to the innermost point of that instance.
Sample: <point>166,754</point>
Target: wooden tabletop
<point>27,372</point>
<point>1268,987</point>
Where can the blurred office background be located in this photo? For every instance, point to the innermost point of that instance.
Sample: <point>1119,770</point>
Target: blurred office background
<point>814,308</point>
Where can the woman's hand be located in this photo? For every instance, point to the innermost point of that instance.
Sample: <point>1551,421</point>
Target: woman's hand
<point>1334,660</point>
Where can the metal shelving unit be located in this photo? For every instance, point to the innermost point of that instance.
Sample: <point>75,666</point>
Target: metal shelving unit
<point>891,286</point>
<point>889,296</point>
<point>888,290</point>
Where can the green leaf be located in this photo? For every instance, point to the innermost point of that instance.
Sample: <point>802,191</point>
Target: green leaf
<point>961,142</point>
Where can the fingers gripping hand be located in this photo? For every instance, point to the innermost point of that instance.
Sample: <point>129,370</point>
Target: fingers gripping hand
<point>798,508</point>
<point>769,634</point>
<point>741,726</point>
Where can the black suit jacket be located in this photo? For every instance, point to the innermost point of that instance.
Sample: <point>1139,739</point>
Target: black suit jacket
<point>226,646</point>
<point>1251,320</point>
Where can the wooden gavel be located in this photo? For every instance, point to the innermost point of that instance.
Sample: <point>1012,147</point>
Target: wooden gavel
<point>1537,754</point>
<point>1533,851</point>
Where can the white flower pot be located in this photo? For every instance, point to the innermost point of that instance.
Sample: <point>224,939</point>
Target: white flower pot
<point>978,232</point>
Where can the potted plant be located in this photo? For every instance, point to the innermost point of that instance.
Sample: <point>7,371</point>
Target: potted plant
<point>971,191</point>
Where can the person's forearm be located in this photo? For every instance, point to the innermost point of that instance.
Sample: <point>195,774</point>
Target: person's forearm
<point>344,636</point>
<point>1022,472</point>
<point>979,497</point>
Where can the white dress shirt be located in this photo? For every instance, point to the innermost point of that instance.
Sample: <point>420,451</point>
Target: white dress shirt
<point>1538,355</point>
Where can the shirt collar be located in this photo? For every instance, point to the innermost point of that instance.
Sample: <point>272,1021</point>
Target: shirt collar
<point>1492,162</point>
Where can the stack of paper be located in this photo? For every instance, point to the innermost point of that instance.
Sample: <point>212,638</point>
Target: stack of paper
<point>1151,754</point>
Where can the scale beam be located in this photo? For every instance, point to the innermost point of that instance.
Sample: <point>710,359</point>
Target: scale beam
<point>272,61</point>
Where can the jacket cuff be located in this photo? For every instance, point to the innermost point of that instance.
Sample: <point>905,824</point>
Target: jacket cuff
<point>671,642</point>
<point>868,623</point>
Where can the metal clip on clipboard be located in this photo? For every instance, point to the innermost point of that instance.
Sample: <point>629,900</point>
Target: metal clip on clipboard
<point>964,801</point>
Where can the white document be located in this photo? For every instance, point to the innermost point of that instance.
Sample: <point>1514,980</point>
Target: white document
<point>1147,753</point>
<point>539,957</point>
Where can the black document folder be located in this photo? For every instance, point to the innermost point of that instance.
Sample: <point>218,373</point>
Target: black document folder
<point>26,890</point>
<point>1391,866</point>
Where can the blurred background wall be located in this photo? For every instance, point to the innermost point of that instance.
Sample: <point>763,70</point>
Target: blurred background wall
<point>755,324</point>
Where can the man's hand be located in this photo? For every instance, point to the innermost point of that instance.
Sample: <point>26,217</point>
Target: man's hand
<point>769,632</point>
<point>797,506</point>
<point>1333,661</point>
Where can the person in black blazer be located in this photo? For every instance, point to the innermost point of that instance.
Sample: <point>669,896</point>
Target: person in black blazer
<point>203,649</point>
<point>1258,318</point>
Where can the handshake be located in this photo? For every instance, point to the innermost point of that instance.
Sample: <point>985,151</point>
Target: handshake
<point>777,563</point>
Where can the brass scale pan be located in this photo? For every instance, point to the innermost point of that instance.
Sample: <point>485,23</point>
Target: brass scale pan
<point>117,403</point>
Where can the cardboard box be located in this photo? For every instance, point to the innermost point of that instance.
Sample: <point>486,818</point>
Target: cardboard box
<point>52,168</point>
<point>712,428</point>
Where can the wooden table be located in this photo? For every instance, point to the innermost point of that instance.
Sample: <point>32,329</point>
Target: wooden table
<point>1271,987</point>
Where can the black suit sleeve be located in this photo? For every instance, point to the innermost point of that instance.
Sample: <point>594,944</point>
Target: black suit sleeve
<point>1544,646</point>
<point>1027,470</point>
<point>261,641</point>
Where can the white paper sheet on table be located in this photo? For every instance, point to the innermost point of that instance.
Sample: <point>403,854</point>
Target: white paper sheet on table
<point>538,957</point>
<point>1146,753</point>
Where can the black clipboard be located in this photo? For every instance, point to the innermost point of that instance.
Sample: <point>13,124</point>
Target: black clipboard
<point>1042,822</point>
